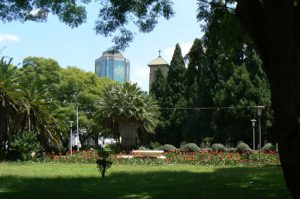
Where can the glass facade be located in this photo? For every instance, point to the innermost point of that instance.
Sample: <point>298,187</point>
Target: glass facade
<point>113,66</point>
<point>119,71</point>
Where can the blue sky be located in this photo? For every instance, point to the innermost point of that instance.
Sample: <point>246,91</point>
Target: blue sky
<point>81,46</point>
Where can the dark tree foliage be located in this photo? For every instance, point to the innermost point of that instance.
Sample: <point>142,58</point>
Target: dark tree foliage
<point>157,90</point>
<point>198,93</point>
<point>158,86</point>
<point>114,15</point>
<point>272,27</point>
<point>174,99</point>
<point>175,87</point>
<point>10,100</point>
<point>72,13</point>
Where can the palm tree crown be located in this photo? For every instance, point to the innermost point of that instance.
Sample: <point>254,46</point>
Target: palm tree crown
<point>131,108</point>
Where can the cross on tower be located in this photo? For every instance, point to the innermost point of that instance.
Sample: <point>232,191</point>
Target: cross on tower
<point>159,53</point>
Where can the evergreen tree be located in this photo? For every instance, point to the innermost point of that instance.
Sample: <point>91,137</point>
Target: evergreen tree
<point>175,86</point>
<point>174,98</point>
<point>199,84</point>
<point>242,84</point>
<point>158,86</point>
<point>157,90</point>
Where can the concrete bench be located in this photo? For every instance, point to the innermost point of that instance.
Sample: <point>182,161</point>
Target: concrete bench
<point>148,153</point>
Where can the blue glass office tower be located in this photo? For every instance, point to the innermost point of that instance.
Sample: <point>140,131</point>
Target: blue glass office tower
<point>113,65</point>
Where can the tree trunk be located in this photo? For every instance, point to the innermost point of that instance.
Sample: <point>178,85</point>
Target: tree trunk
<point>285,90</point>
<point>274,26</point>
<point>128,133</point>
<point>281,57</point>
<point>4,129</point>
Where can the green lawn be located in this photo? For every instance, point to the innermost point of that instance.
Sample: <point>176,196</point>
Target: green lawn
<point>49,180</point>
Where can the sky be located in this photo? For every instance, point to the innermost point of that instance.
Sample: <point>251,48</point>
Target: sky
<point>81,46</point>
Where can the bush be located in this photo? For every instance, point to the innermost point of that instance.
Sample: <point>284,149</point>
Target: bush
<point>25,145</point>
<point>155,145</point>
<point>182,144</point>
<point>206,142</point>
<point>218,147</point>
<point>230,149</point>
<point>113,148</point>
<point>243,148</point>
<point>103,161</point>
<point>143,148</point>
<point>269,147</point>
<point>168,148</point>
<point>190,147</point>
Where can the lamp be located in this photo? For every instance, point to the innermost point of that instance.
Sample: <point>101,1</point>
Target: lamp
<point>71,124</point>
<point>259,113</point>
<point>253,132</point>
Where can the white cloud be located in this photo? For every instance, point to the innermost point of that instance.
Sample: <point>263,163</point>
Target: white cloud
<point>140,75</point>
<point>35,12</point>
<point>185,48</point>
<point>9,37</point>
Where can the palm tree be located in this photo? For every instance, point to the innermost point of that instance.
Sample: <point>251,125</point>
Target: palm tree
<point>10,100</point>
<point>36,116</point>
<point>131,108</point>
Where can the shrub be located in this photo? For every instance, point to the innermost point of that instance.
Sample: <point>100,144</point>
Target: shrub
<point>113,148</point>
<point>243,148</point>
<point>154,145</point>
<point>230,149</point>
<point>218,147</point>
<point>168,148</point>
<point>26,146</point>
<point>269,147</point>
<point>143,148</point>
<point>190,147</point>
<point>182,144</point>
<point>103,161</point>
<point>206,142</point>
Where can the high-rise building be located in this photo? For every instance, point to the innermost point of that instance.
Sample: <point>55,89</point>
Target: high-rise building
<point>158,62</point>
<point>113,65</point>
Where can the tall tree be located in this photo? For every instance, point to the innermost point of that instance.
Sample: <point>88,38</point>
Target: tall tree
<point>10,100</point>
<point>239,93</point>
<point>41,72</point>
<point>271,25</point>
<point>79,90</point>
<point>175,87</point>
<point>158,86</point>
<point>132,109</point>
<point>199,89</point>
<point>174,98</point>
<point>157,90</point>
<point>36,117</point>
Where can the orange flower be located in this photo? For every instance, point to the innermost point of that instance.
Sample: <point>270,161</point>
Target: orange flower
<point>228,157</point>
<point>56,157</point>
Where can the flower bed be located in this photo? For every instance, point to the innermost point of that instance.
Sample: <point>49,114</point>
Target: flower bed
<point>76,157</point>
<point>192,158</point>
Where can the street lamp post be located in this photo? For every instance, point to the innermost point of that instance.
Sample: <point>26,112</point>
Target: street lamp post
<point>71,124</point>
<point>259,113</point>
<point>77,129</point>
<point>253,132</point>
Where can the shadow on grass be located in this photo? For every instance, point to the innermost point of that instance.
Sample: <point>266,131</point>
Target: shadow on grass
<point>233,183</point>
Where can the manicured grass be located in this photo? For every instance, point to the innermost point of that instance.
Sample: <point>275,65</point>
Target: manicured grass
<point>53,180</point>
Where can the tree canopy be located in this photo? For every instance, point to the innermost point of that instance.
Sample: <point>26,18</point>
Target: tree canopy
<point>132,109</point>
<point>114,16</point>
